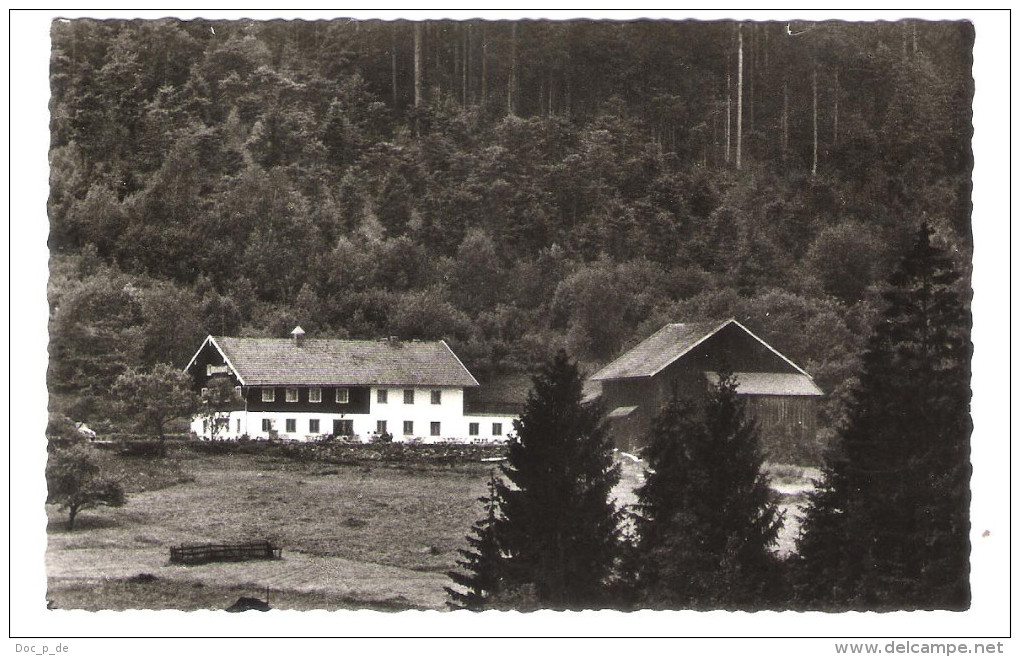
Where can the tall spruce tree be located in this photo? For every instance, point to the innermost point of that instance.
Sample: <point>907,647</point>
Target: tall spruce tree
<point>481,567</point>
<point>559,528</point>
<point>707,517</point>
<point>888,528</point>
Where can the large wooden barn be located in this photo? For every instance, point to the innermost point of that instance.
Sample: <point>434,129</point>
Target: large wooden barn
<point>686,358</point>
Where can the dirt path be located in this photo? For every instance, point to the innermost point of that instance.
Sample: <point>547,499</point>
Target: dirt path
<point>792,488</point>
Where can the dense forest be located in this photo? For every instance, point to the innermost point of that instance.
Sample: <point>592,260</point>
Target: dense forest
<point>512,187</point>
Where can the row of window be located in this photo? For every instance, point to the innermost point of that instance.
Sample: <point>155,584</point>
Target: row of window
<point>346,427</point>
<point>343,395</point>
<point>220,424</point>
<point>207,394</point>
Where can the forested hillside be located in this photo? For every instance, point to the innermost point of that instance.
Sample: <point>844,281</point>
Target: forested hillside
<point>513,187</point>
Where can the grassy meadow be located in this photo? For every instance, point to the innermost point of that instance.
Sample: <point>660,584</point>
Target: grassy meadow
<point>356,533</point>
<point>353,536</point>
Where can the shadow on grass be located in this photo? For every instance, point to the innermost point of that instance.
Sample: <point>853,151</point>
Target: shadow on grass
<point>82,524</point>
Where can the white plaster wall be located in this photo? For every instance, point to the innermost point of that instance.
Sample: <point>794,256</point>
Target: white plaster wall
<point>450,415</point>
<point>423,412</point>
<point>485,423</point>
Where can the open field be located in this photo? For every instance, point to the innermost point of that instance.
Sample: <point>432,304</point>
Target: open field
<point>378,535</point>
<point>353,536</point>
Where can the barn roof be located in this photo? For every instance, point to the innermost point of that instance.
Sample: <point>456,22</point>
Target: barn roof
<point>668,345</point>
<point>319,361</point>
<point>656,352</point>
<point>771,383</point>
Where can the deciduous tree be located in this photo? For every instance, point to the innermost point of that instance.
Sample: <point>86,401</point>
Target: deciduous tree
<point>155,397</point>
<point>75,481</point>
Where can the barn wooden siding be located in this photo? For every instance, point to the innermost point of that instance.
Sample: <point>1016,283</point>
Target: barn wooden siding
<point>774,412</point>
<point>788,427</point>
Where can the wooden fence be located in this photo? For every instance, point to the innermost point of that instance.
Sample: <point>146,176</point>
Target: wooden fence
<point>196,554</point>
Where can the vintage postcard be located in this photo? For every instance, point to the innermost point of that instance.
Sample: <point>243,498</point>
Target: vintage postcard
<point>647,317</point>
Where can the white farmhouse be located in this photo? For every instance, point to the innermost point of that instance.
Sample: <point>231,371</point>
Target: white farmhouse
<point>304,388</point>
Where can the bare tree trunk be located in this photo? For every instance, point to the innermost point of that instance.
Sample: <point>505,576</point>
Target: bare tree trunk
<point>786,118</point>
<point>393,61</point>
<point>485,50</point>
<point>511,83</point>
<point>835,112</point>
<point>567,92</point>
<point>751,68</point>
<point>740,92</point>
<point>465,73</point>
<point>814,120</point>
<point>455,72</point>
<point>729,102</point>
<point>552,90</point>
<point>437,36</point>
<point>417,63</point>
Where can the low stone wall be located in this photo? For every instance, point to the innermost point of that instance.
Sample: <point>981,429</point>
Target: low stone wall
<point>338,452</point>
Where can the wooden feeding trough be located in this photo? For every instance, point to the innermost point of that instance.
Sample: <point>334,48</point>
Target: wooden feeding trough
<point>212,552</point>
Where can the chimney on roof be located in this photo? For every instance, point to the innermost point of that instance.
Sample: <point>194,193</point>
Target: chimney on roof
<point>299,336</point>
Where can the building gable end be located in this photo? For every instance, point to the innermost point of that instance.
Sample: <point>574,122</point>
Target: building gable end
<point>771,348</point>
<point>692,346</point>
<point>210,340</point>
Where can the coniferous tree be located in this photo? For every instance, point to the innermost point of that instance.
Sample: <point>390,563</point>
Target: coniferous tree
<point>707,518</point>
<point>559,527</point>
<point>888,528</point>
<point>482,565</point>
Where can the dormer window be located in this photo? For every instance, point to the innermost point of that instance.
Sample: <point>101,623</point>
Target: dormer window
<point>343,395</point>
<point>268,394</point>
<point>292,395</point>
<point>315,395</point>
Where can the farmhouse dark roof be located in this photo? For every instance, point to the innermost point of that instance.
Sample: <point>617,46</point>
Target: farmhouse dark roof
<point>771,383</point>
<point>656,352</point>
<point>318,361</point>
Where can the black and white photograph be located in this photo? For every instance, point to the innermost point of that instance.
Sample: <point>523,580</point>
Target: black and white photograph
<point>470,313</point>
